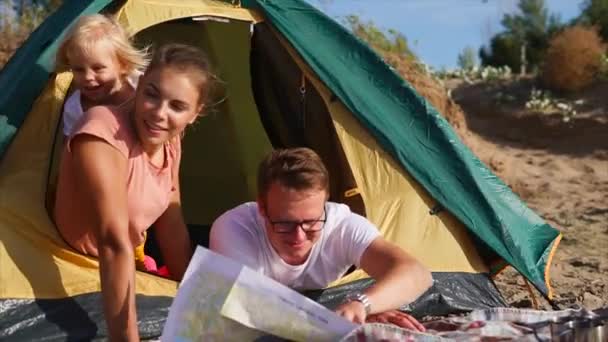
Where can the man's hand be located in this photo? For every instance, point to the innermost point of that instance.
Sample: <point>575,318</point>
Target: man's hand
<point>398,318</point>
<point>353,311</point>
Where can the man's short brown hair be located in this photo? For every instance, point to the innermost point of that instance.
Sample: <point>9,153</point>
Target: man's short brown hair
<point>294,168</point>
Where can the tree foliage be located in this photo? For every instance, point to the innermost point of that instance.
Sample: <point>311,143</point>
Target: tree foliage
<point>595,13</point>
<point>390,41</point>
<point>18,19</point>
<point>467,58</point>
<point>532,26</point>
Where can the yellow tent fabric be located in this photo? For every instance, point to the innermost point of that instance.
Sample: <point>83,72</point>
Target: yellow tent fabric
<point>135,16</point>
<point>400,207</point>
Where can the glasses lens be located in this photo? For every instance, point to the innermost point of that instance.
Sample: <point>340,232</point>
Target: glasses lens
<point>283,227</point>
<point>288,227</point>
<point>313,226</point>
<point>307,225</point>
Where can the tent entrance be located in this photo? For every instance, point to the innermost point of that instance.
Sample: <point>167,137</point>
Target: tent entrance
<point>295,114</point>
<point>222,149</point>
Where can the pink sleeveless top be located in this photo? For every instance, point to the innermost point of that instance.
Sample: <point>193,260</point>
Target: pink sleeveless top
<point>149,188</point>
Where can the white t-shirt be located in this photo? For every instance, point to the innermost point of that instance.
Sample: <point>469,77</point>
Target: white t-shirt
<point>73,112</point>
<point>240,234</point>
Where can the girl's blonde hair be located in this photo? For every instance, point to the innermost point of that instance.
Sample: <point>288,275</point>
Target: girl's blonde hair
<point>96,28</point>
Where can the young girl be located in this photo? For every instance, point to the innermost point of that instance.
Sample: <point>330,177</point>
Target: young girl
<point>106,69</point>
<point>105,66</point>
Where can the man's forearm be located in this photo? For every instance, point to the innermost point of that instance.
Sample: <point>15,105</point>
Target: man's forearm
<point>400,284</point>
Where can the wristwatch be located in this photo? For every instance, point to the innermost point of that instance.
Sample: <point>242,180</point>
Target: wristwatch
<point>359,297</point>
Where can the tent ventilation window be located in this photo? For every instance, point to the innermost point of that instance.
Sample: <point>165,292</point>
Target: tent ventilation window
<point>211,18</point>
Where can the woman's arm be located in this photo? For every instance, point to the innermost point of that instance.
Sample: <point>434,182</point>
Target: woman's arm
<point>172,236</point>
<point>101,176</point>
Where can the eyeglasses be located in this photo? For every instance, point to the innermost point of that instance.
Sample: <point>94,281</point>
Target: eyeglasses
<point>308,226</point>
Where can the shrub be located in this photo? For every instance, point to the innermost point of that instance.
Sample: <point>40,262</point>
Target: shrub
<point>544,102</point>
<point>484,73</point>
<point>573,60</point>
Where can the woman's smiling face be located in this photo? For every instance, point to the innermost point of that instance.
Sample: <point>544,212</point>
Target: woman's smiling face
<point>167,101</point>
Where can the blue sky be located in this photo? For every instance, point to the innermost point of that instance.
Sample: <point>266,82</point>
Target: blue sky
<point>438,30</point>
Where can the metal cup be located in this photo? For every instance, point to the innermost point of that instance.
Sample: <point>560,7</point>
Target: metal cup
<point>582,329</point>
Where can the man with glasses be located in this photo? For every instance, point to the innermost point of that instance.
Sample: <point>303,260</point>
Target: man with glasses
<point>295,236</point>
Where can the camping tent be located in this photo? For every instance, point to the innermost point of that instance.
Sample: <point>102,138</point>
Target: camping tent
<point>293,77</point>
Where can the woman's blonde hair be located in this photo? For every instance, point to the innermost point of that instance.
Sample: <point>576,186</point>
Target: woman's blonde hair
<point>96,28</point>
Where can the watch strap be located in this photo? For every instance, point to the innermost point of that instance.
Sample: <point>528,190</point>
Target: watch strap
<point>361,298</point>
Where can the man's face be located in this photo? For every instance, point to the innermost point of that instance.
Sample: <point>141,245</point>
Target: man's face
<point>284,207</point>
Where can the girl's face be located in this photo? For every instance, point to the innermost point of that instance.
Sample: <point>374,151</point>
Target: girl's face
<point>97,72</point>
<point>167,100</point>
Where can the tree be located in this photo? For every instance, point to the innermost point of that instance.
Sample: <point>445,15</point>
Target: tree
<point>467,58</point>
<point>504,49</point>
<point>531,28</point>
<point>595,12</point>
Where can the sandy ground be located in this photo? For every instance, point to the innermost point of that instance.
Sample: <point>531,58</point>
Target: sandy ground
<point>561,170</point>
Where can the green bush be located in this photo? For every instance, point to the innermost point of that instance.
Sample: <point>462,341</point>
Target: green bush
<point>573,60</point>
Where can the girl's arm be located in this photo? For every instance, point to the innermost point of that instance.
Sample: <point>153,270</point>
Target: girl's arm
<point>101,176</point>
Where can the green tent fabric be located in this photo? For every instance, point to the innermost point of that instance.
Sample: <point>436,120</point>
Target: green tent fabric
<point>410,129</point>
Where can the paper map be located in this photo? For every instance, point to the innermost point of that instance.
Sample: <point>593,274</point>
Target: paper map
<point>222,300</point>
